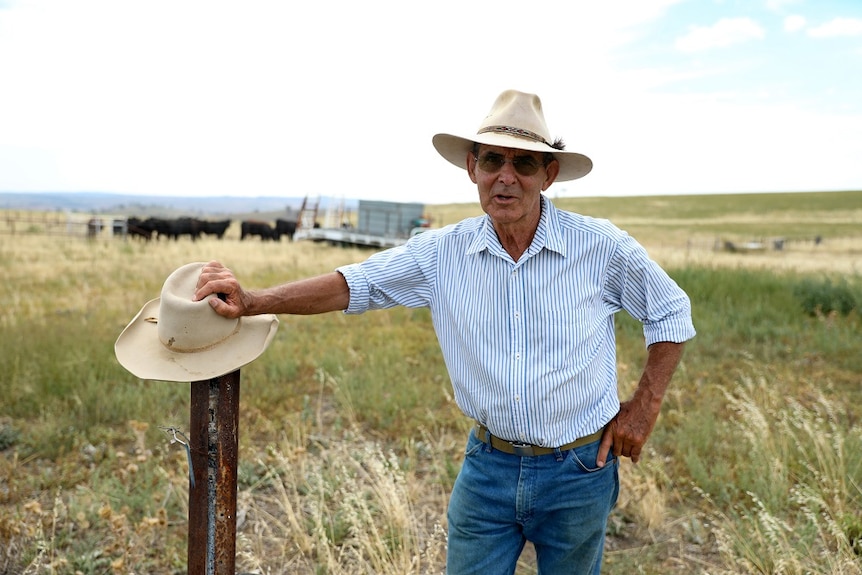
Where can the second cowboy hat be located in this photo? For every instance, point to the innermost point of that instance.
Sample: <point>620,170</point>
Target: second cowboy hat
<point>176,339</point>
<point>515,121</point>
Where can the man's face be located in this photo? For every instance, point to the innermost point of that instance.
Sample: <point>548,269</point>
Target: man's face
<point>510,182</point>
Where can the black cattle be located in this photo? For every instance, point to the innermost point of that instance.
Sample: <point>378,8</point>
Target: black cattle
<point>136,227</point>
<point>187,227</point>
<point>139,232</point>
<point>258,228</point>
<point>217,229</point>
<point>174,228</point>
<point>155,226</point>
<point>147,228</point>
<point>285,228</point>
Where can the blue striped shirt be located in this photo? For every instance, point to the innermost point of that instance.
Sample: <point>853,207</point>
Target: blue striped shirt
<point>529,345</point>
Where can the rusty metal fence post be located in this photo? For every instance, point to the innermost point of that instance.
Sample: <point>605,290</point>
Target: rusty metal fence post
<point>214,446</point>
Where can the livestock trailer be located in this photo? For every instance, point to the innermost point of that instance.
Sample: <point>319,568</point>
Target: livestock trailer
<point>378,224</point>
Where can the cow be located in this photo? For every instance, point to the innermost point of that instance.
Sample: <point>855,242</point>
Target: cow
<point>155,226</point>
<point>285,228</point>
<point>258,228</point>
<point>186,227</point>
<point>174,228</point>
<point>139,232</point>
<point>136,227</point>
<point>217,229</point>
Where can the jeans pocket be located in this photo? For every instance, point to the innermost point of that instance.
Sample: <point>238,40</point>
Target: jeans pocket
<point>585,457</point>
<point>473,445</point>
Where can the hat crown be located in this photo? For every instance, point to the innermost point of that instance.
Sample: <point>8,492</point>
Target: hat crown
<point>174,338</point>
<point>517,114</point>
<point>187,326</point>
<point>516,120</point>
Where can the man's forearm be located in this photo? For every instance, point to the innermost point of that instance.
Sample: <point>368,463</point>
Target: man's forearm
<point>662,360</point>
<point>320,294</point>
<point>629,430</point>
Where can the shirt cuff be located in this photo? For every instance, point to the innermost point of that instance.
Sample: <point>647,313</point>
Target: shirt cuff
<point>358,286</point>
<point>677,330</point>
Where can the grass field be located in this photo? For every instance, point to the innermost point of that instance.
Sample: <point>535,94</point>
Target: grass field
<point>350,440</point>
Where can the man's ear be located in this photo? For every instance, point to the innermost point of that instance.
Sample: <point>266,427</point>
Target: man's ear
<point>471,166</point>
<point>551,172</point>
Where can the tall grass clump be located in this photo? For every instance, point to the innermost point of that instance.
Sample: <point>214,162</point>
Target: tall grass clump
<point>824,297</point>
<point>336,502</point>
<point>799,512</point>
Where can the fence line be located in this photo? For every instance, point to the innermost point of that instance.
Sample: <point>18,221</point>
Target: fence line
<point>93,225</point>
<point>61,224</point>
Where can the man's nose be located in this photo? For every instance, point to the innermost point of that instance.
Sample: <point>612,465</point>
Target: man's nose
<point>507,172</point>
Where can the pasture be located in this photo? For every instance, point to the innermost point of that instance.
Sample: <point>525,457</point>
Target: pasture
<point>350,439</point>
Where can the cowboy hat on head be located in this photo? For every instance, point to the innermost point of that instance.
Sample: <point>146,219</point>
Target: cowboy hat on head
<point>515,121</point>
<point>176,339</point>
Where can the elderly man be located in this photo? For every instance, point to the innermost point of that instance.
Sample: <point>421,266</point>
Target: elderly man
<point>522,300</point>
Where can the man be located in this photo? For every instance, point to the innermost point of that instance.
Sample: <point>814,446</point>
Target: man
<point>522,300</point>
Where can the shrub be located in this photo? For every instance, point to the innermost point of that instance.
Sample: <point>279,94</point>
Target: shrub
<point>824,297</point>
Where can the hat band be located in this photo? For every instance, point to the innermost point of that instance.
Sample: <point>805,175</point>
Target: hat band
<point>514,131</point>
<point>171,343</point>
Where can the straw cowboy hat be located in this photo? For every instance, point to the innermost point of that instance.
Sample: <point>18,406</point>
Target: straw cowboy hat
<point>515,121</point>
<point>176,339</point>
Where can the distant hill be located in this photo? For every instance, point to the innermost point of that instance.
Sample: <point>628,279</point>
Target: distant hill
<point>97,202</point>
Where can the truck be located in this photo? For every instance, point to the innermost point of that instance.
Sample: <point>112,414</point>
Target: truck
<point>378,224</point>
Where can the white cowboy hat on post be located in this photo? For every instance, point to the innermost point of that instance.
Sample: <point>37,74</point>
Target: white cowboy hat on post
<point>176,339</point>
<point>515,121</point>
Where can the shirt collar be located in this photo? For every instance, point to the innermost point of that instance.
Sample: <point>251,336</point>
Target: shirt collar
<point>549,227</point>
<point>548,234</point>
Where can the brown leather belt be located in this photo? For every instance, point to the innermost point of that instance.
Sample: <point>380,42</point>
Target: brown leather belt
<point>527,449</point>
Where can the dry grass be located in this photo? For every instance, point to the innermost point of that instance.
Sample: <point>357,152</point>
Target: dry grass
<point>839,256</point>
<point>691,230</point>
<point>322,490</point>
<point>806,454</point>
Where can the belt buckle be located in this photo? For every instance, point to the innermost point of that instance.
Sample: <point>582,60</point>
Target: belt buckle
<point>522,449</point>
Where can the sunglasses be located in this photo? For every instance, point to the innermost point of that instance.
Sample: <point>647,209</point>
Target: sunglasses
<point>491,163</point>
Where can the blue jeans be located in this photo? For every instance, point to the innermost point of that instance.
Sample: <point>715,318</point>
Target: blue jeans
<point>560,502</point>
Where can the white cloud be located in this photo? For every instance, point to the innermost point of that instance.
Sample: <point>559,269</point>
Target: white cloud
<point>794,23</point>
<point>838,27</point>
<point>725,32</point>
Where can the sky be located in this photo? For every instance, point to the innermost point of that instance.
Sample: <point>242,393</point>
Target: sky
<point>341,98</point>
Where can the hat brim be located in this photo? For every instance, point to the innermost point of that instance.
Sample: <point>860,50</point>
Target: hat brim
<point>455,149</point>
<point>139,350</point>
